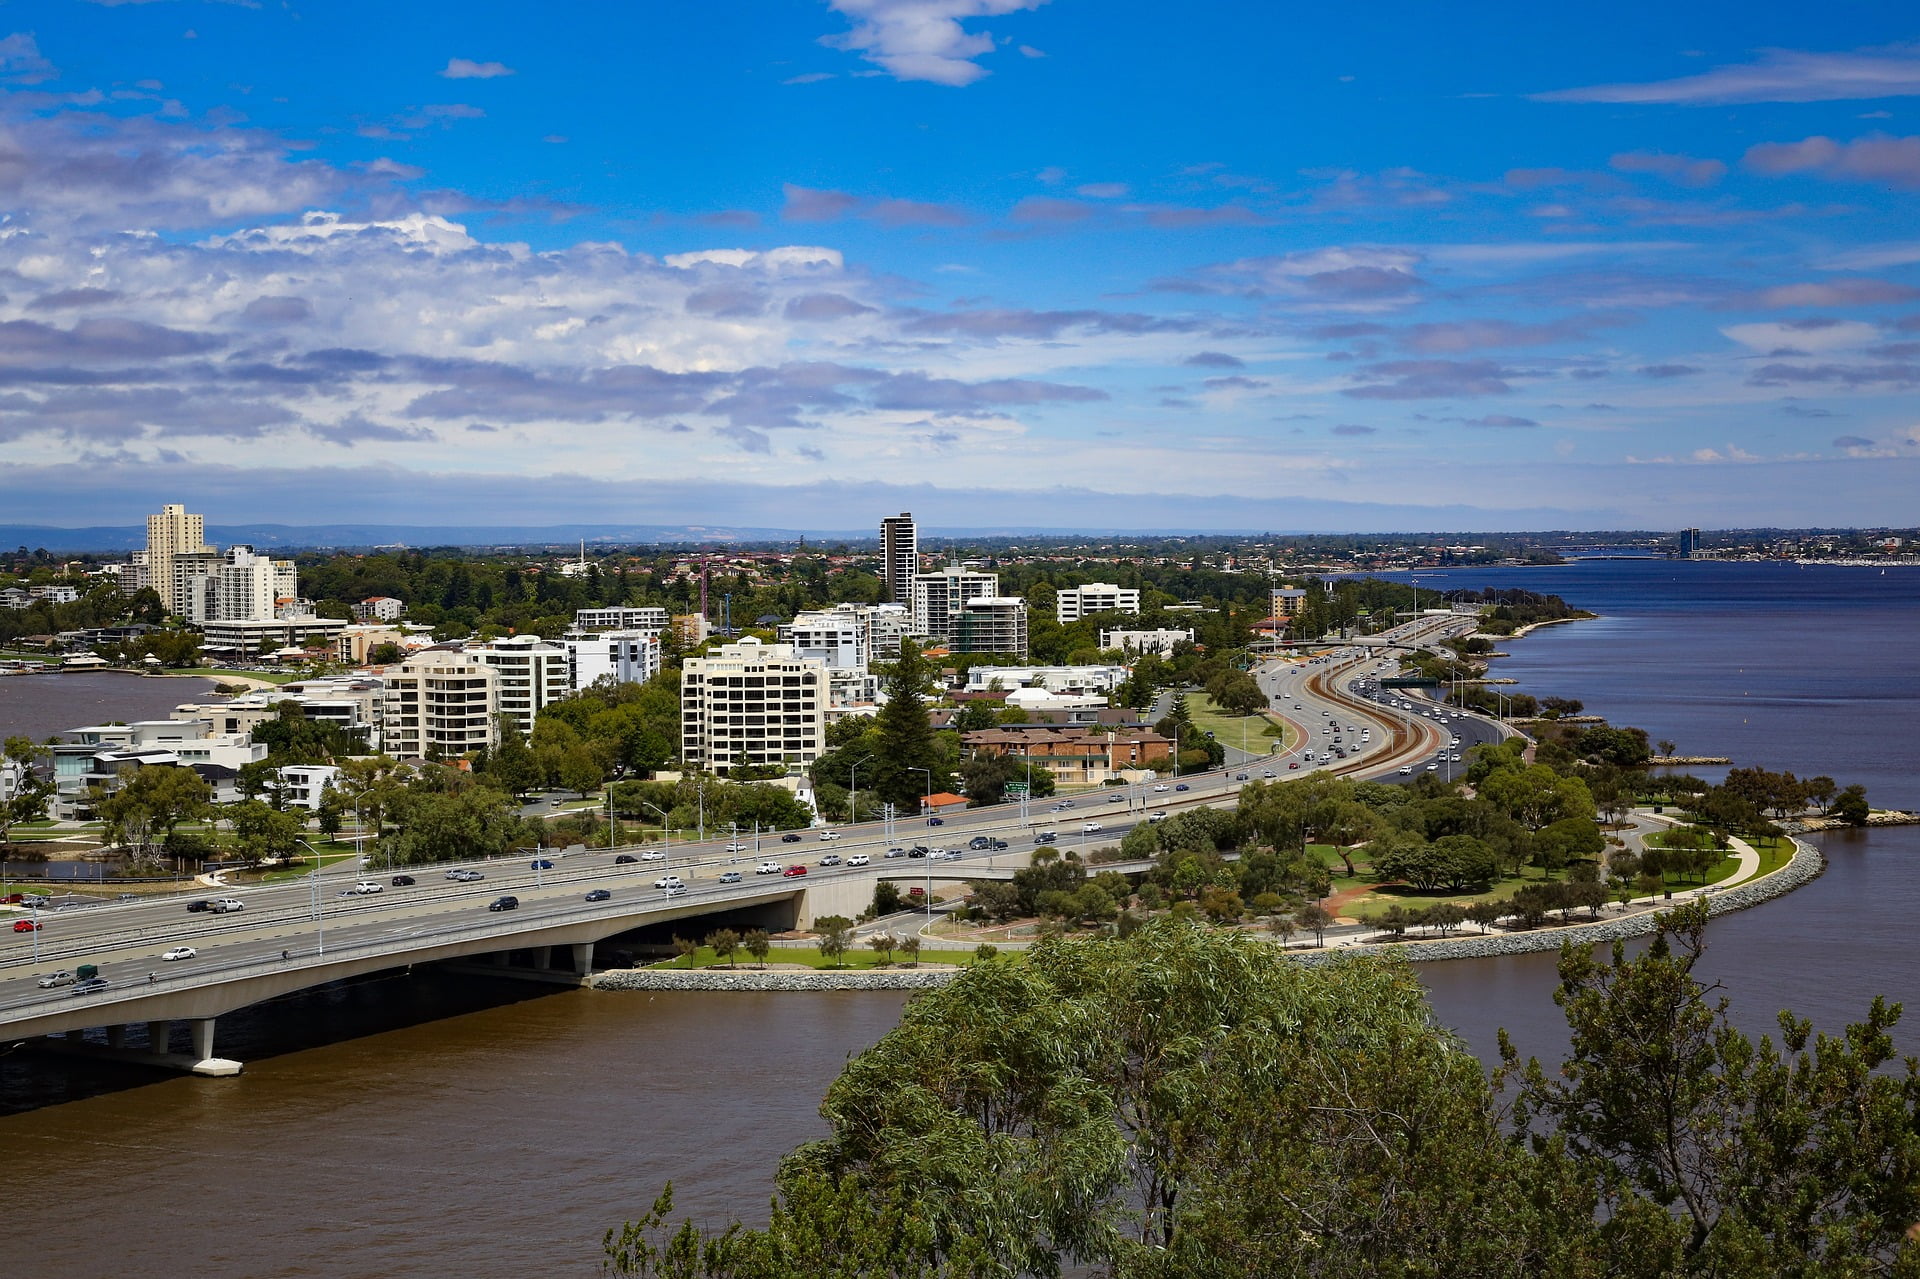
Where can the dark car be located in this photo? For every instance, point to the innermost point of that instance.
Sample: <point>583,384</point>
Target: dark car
<point>88,986</point>
<point>979,841</point>
<point>625,859</point>
<point>918,850</point>
<point>936,821</point>
<point>196,907</point>
<point>599,895</point>
<point>504,903</point>
<point>1183,786</point>
<point>540,863</point>
<point>789,838</point>
<point>403,881</point>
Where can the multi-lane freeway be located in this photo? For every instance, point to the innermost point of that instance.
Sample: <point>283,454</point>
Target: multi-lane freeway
<point>314,924</point>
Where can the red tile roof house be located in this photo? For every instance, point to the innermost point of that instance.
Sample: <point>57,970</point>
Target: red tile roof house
<point>942,802</point>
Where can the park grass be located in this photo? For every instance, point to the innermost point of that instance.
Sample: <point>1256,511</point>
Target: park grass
<point>1262,733</point>
<point>265,677</point>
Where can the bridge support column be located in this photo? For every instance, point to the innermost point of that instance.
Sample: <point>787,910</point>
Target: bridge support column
<point>205,1063</point>
<point>583,958</point>
<point>542,958</point>
<point>158,1032</point>
<point>116,1037</point>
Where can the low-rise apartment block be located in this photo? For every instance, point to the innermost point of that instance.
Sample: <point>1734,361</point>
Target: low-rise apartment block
<point>1071,603</point>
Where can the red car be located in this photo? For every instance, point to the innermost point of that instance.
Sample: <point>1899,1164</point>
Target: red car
<point>26,925</point>
<point>793,870</point>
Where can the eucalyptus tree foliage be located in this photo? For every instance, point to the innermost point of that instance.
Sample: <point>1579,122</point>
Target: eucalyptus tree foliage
<point>1176,1103</point>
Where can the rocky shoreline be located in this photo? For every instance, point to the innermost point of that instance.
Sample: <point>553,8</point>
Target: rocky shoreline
<point>754,979</point>
<point>1805,865</point>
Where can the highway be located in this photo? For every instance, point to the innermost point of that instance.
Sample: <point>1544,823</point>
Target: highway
<point>312,921</point>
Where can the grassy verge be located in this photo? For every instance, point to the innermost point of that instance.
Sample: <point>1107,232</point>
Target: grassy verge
<point>1261,733</point>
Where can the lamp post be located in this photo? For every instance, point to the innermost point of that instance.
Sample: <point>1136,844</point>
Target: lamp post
<point>928,793</point>
<point>319,914</point>
<point>666,831</point>
<point>853,808</point>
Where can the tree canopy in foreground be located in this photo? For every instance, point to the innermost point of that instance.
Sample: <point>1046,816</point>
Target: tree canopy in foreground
<point>1186,1103</point>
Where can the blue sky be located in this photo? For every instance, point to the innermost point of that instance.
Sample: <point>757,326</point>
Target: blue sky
<point>802,263</point>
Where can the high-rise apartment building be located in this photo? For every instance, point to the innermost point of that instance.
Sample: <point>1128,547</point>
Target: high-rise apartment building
<point>1071,603</point>
<point>529,672</point>
<point>625,657</point>
<point>1689,543</point>
<point>173,532</point>
<point>937,597</point>
<point>761,701</point>
<point>989,624</point>
<point>899,556</point>
<point>439,705</point>
<point>248,587</point>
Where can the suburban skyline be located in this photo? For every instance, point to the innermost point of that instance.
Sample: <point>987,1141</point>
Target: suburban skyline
<point>999,262</point>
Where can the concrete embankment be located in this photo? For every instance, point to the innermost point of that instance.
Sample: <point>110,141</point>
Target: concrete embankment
<point>755,979</point>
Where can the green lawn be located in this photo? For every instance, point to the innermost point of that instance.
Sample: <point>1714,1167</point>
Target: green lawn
<point>1261,733</point>
<point>214,672</point>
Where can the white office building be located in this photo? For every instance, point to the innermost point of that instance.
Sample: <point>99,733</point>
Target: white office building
<point>937,597</point>
<point>762,701</point>
<point>626,657</point>
<point>1139,643</point>
<point>621,618</point>
<point>1064,680</point>
<point>1072,603</point>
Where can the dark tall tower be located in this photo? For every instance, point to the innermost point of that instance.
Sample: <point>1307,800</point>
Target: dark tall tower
<point>899,556</point>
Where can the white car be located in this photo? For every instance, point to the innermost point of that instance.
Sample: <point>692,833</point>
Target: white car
<point>367,888</point>
<point>178,952</point>
<point>858,859</point>
<point>829,834</point>
<point>669,881</point>
<point>1160,816</point>
<point>831,859</point>
<point>738,848</point>
<point>768,868</point>
<point>1088,828</point>
<point>653,855</point>
<point>1161,787</point>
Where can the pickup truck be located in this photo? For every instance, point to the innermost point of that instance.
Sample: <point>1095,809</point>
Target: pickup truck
<point>225,905</point>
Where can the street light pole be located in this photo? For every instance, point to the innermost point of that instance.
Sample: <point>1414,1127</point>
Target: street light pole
<point>319,914</point>
<point>853,807</point>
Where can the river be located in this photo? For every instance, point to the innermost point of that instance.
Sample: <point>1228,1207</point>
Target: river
<point>366,1140</point>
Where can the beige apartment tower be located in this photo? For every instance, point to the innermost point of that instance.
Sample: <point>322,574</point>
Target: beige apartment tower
<point>899,556</point>
<point>170,534</point>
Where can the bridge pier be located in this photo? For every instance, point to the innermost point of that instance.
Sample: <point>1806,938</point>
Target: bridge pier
<point>158,1032</point>
<point>583,959</point>
<point>205,1063</point>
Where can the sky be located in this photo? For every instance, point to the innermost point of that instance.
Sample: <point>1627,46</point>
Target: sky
<point>1046,263</point>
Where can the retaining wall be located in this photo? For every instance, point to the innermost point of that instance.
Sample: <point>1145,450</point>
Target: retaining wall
<point>753,979</point>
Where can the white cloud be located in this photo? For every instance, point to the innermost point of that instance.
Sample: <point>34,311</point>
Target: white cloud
<point>922,39</point>
<point>1823,336</point>
<point>1780,75</point>
<point>467,69</point>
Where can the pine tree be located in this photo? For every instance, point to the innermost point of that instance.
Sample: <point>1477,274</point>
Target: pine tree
<point>906,738</point>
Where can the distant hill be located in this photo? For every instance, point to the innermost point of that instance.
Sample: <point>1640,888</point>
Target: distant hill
<point>110,538</point>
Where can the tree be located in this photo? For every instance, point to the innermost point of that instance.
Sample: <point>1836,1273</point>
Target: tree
<point>905,741</point>
<point>1485,914</point>
<point>264,832</point>
<point>724,942</point>
<point>836,935</point>
<point>886,898</point>
<point>511,763</point>
<point>685,948</point>
<point>1708,1152</point>
<point>1153,1106</point>
<point>154,800</point>
<point>757,944</point>
<point>1282,925</point>
<point>1316,919</point>
<point>1851,806</point>
<point>31,789</point>
<point>883,945</point>
<point>910,947</point>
